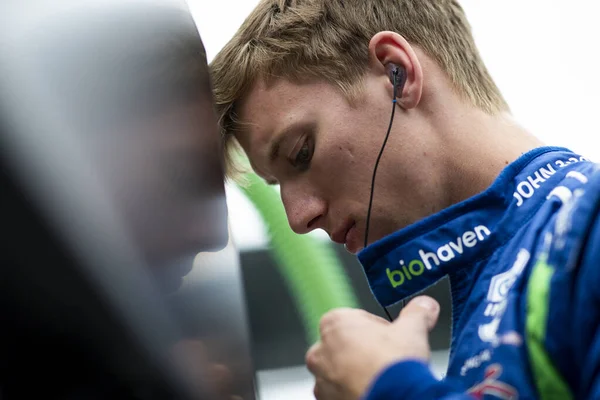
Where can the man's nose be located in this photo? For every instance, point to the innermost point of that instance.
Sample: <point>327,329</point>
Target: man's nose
<point>305,211</point>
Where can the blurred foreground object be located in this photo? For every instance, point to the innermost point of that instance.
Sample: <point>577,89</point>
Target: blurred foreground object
<point>112,184</point>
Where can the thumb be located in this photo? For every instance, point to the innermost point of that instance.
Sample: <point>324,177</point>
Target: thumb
<point>420,314</point>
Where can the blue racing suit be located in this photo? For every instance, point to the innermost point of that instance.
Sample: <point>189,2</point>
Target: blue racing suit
<point>523,259</point>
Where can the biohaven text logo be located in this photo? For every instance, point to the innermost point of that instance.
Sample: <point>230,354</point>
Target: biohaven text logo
<point>444,253</point>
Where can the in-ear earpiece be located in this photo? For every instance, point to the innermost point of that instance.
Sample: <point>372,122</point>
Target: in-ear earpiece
<point>397,76</point>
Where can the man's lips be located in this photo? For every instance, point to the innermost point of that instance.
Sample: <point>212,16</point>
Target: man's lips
<point>340,235</point>
<point>348,236</point>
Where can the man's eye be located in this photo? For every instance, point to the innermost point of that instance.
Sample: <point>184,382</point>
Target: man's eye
<point>303,157</point>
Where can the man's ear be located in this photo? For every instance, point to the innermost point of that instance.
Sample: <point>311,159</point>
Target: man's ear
<point>391,48</point>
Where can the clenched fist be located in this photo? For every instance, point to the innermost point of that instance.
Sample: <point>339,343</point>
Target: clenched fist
<point>356,346</point>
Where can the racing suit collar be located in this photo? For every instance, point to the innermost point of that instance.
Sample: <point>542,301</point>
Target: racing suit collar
<point>414,258</point>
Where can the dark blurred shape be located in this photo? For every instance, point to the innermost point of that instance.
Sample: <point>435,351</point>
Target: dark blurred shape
<point>112,184</point>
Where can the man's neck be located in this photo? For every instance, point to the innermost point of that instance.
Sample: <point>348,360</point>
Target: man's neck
<point>477,147</point>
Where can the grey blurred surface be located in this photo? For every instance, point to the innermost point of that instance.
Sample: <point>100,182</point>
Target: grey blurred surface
<point>112,184</point>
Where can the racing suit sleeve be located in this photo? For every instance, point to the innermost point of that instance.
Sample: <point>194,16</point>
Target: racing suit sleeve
<point>411,379</point>
<point>586,321</point>
<point>564,338</point>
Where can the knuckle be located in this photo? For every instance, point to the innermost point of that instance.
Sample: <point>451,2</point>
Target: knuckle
<point>336,315</point>
<point>324,322</point>
<point>311,358</point>
<point>328,319</point>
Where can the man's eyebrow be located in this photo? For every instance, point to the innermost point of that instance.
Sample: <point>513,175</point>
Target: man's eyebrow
<point>275,146</point>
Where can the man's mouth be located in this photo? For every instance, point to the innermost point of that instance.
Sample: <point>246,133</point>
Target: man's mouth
<point>348,236</point>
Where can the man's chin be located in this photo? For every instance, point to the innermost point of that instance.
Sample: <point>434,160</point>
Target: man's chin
<point>352,249</point>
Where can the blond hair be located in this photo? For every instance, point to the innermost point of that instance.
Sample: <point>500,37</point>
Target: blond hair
<point>328,40</point>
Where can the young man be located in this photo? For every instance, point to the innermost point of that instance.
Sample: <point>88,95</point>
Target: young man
<point>307,89</point>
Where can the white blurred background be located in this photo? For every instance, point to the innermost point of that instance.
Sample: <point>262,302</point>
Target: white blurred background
<point>543,54</point>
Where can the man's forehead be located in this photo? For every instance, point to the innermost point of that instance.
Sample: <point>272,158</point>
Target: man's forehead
<point>262,113</point>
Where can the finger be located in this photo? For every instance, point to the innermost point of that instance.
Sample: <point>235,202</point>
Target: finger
<point>317,391</point>
<point>375,318</point>
<point>323,390</point>
<point>313,359</point>
<point>332,317</point>
<point>346,316</point>
<point>419,315</point>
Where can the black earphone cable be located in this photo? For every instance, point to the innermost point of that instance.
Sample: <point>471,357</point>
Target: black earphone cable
<point>387,135</point>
